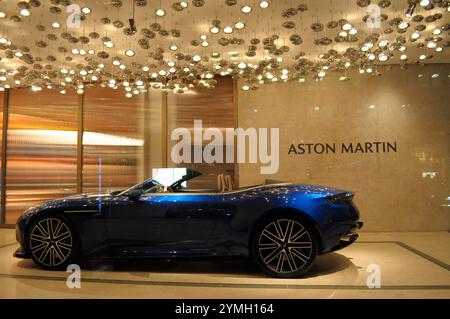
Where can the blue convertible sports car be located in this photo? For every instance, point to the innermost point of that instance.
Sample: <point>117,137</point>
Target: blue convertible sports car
<point>283,226</point>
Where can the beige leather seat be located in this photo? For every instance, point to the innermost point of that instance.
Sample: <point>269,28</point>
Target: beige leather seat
<point>228,183</point>
<point>220,183</point>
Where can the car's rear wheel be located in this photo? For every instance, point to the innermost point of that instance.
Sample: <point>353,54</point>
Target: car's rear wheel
<point>52,242</point>
<point>284,246</point>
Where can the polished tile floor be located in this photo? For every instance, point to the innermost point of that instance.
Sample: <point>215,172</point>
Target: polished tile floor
<point>412,265</point>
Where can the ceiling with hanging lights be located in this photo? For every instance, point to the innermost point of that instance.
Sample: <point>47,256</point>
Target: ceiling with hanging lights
<point>175,45</point>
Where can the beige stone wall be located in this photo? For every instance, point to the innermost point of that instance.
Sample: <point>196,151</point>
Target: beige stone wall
<point>393,190</point>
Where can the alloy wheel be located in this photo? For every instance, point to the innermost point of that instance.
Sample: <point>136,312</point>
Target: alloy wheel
<point>51,242</point>
<point>285,246</point>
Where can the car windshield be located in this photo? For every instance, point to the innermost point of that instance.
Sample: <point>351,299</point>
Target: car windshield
<point>149,183</point>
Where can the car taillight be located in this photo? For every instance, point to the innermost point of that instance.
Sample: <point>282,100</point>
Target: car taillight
<point>340,198</point>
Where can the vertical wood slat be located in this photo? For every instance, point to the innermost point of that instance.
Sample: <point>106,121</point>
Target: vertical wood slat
<point>236,125</point>
<point>164,128</point>
<point>4,152</point>
<point>147,136</point>
<point>80,144</point>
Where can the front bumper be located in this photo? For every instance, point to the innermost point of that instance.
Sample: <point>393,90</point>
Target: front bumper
<point>21,252</point>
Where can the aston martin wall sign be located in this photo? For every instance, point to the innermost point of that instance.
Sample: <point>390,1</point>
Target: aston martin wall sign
<point>342,148</point>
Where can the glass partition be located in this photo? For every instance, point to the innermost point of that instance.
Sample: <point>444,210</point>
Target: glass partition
<point>215,108</point>
<point>113,140</point>
<point>42,148</point>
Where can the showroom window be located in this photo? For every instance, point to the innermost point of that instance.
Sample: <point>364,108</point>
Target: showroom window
<point>42,148</point>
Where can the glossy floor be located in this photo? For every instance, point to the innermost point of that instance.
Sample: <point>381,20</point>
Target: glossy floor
<point>413,265</point>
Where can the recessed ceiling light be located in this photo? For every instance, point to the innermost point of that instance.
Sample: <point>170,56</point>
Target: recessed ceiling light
<point>424,3</point>
<point>246,9</point>
<point>321,74</point>
<point>431,44</point>
<point>86,10</point>
<point>347,27</point>
<point>116,62</point>
<point>108,44</point>
<point>239,25</point>
<point>245,88</point>
<point>228,29</point>
<point>371,106</point>
<point>205,44</point>
<point>439,49</point>
<point>173,47</point>
<point>130,53</point>
<point>214,30</point>
<point>383,43</point>
<point>196,58</point>
<point>91,52</point>
<point>403,25</point>
<point>56,25</point>
<point>18,54</point>
<point>383,57</point>
<point>403,57</point>
<point>422,57</point>
<point>353,31</point>
<point>2,14</point>
<point>437,31</point>
<point>264,4</point>
<point>160,12</point>
<point>343,34</point>
<point>83,52</point>
<point>415,35</point>
<point>75,51</point>
<point>25,12</point>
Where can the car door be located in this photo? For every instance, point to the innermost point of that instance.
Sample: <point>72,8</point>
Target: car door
<point>163,220</point>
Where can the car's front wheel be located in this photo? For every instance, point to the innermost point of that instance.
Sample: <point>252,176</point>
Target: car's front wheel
<point>52,242</point>
<point>284,246</point>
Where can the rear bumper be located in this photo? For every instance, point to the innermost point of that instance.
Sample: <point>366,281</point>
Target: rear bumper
<point>352,234</point>
<point>349,237</point>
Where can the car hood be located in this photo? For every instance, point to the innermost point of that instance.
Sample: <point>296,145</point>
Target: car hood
<point>73,200</point>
